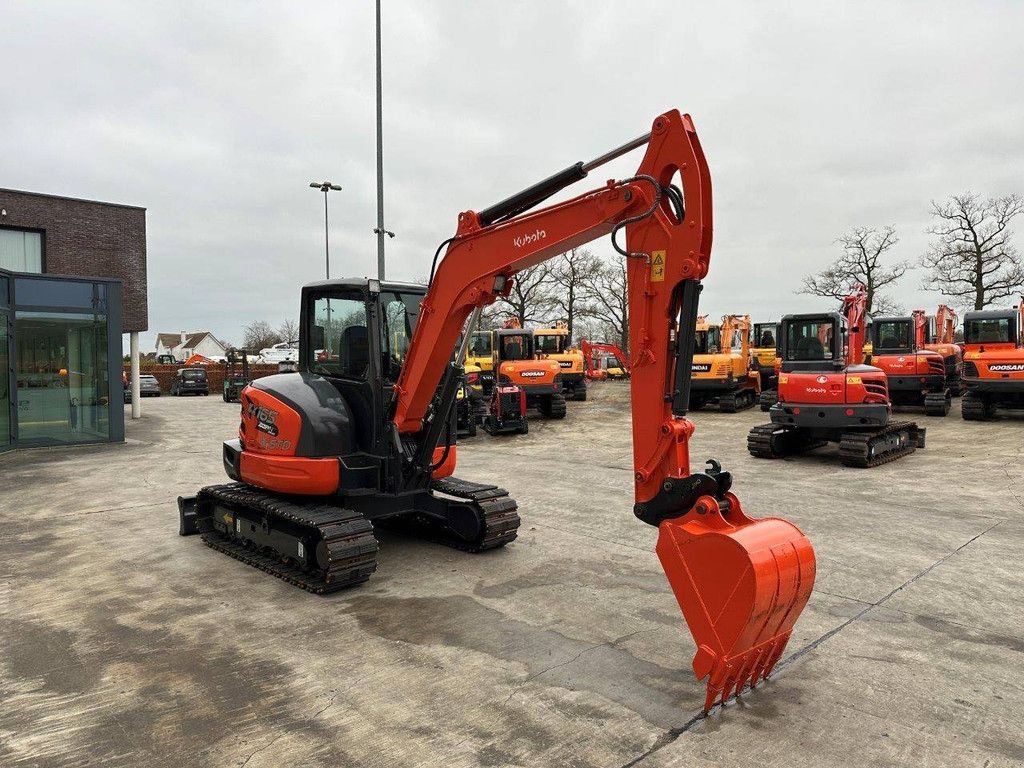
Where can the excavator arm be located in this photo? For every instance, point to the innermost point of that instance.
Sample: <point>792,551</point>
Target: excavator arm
<point>740,583</point>
<point>855,308</point>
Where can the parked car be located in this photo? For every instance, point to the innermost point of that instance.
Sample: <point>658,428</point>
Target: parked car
<point>148,386</point>
<point>190,381</point>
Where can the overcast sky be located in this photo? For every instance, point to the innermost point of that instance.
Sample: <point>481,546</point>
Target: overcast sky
<point>815,118</point>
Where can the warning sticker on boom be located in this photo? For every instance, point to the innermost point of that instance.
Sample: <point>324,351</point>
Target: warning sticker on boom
<point>657,266</point>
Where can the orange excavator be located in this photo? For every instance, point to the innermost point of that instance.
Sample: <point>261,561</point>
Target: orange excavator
<point>993,362</point>
<point>916,375</point>
<point>604,361</point>
<point>940,336</point>
<point>828,395</point>
<point>363,433</point>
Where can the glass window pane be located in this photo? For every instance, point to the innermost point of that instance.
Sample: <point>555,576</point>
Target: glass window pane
<point>21,251</point>
<point>339,338</point>
<point>894,334</point>
<point>988,330</point>
<point>61,377</point>
<point>809,340</point>
<point>33,292</point>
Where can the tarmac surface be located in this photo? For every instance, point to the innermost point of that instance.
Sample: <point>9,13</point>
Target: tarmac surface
<point>122,643</point>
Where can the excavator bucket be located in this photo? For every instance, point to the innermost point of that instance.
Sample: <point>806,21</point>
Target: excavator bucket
<point>741,585</point>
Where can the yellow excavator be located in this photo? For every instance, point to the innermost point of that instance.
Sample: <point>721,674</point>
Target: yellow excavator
<point>554,344</point>
<point>764,355</point>
<point>722,369</point>
<point>479,356</point>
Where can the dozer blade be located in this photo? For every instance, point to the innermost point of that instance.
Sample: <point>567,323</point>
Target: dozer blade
<point>741,585</point>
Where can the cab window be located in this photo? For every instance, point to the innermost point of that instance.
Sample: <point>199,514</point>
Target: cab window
<point>339,342</point>
<point>994,330</point>
<point>893,334</point>
<point>764,335</point>
<point>809,340</point>
<point>708,342</point>
<point>515,347</point>
<point>550,343</point>
<point>400,312</point>
<point>480,344</point>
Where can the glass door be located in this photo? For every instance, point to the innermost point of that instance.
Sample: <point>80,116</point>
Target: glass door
<point>5,384</point>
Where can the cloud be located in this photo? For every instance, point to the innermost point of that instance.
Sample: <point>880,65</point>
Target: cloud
<point>815,118</point>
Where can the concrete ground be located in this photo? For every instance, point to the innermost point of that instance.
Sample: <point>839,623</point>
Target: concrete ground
<point>125,644</point>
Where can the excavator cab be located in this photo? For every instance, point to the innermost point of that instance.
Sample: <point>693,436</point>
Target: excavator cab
<point>993,366</point>
<point>813,342</point>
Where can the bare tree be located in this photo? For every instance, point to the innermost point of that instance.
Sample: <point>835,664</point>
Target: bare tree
<point>608,301</point>
<point>569,274</point>
<point>288,330</point>
<point>861,262</point>
<point>259,334</point>
<point>530,299</point>
<point>972,259</point>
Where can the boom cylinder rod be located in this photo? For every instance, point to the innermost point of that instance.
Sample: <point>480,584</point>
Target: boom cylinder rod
<point>607,157</point>
<point>542,190</point>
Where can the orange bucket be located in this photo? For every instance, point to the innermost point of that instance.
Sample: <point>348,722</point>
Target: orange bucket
<point>741,585</point>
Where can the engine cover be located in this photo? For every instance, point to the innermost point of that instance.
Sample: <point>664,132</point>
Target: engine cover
<point>296,414</point>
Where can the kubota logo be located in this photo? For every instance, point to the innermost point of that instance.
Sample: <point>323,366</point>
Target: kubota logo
<point>816,390</point>
<point>522,240</point>
<point>822,379</point>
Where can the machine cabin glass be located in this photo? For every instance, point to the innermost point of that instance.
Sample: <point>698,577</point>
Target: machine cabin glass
<point>550,343</point>
<point>892,334</point>
<point>764,334</point>
<point>480,344</point>
<point>516,346</point>
<point>989,330</point>
<point>338,342</point>
<point>811,340</point>
<point>708,342</point>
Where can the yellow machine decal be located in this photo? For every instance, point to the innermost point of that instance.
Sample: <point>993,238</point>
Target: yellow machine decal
<point>657,266</point>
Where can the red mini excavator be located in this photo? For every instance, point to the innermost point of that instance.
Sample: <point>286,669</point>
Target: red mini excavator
<point>363,433</point>
<point>940,337</point>
<point>828,395</point>
<point>916,375</point>
<point>604,361</point>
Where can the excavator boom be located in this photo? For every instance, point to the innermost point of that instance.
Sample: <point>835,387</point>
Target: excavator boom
<point>741,583</point>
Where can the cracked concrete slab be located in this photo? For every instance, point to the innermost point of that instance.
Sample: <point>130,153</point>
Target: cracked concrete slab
<point>124,644</point>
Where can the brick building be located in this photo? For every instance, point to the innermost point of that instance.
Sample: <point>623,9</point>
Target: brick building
<point>72,280</point>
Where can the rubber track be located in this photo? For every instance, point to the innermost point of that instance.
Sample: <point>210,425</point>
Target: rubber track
<point>499,513</point>
<point>974,408</point>
<point>347,535</point>
<point>854,446</point>
<point>936,404</point>
<point>770,441</point>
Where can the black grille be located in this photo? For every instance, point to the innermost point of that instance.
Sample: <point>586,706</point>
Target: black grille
<point>970,369</point>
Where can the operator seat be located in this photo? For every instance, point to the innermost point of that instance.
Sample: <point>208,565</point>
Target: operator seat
<point>355,351</point>
<point>809,349</point>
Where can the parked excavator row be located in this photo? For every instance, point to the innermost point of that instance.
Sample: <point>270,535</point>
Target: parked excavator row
<point>363,434</point>
<point>828,395</point>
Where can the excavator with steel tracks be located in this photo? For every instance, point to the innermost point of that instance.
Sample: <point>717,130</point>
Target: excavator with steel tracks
<point>828,395</point>
<point>363,434</point>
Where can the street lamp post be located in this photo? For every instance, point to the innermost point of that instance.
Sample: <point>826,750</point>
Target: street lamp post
<point>325,187</point>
